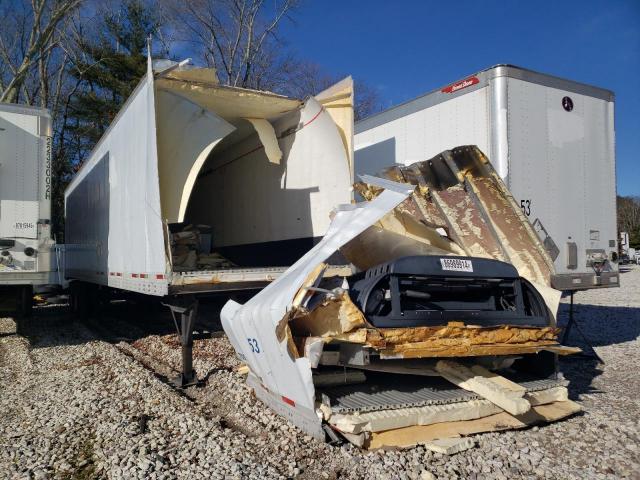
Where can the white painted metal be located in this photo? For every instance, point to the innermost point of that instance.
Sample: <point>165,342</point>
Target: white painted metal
<point>560,164</point>
<point>176,142</point>
<point>25,194</point>
<point>564,163</point>
<point>115,233</point>
<point>249,200</point>
<point>253,328</point>
<point>463,120</point>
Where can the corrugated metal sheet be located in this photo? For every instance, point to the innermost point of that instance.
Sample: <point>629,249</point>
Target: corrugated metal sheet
<point>372,397</point>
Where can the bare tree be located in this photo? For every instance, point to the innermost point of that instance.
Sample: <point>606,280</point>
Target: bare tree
<point>27,41</point>
<point>233,36</point>
<point>628,214</point>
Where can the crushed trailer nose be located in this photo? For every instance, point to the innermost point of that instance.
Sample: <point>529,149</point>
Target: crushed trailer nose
<point>449,269</point>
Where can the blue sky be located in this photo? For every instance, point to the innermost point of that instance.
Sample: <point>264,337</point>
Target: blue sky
<point>407,48</point>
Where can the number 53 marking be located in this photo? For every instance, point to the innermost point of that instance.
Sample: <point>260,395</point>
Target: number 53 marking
<point>253,343</point>
<point>525,205</point>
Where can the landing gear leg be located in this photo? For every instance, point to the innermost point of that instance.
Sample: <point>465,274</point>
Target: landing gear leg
<point>25,300</point>
<point>187,308</point>
<point>574,323</point>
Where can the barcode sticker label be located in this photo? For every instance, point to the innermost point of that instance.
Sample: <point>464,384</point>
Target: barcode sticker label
<point>456,264</point>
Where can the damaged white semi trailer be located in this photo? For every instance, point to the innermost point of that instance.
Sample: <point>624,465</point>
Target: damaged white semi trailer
<point>26,253</point>
<point>453,287</point>
<point>258,171</point>
<point>551,140</point>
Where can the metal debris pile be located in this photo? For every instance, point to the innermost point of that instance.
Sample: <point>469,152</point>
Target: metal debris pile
<point>412,365</point>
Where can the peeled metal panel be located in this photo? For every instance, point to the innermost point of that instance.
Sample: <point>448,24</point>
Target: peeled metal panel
<point>20,153</point>
<point>477,213</point>
<point>247,199</point>
<point>257,329</point>
<point>338,102</point>
<point>187,133</point>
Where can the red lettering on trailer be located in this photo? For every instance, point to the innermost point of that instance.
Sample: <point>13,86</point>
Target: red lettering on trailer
<point>134,275</point>
<point>288,401</point>
<point>144,275</point>
<point>467,82</point>
<point>160,276</point>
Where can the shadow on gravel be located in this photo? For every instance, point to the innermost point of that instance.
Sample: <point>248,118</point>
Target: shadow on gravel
<point>133,320</point>
<point>116,321</point>
<point>602,325</point>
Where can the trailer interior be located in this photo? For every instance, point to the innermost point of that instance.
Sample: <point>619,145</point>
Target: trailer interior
<point>246,188</point>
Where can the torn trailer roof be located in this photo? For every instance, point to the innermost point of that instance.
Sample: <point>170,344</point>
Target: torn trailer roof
<point>197,186</point>
<point>452,287</point>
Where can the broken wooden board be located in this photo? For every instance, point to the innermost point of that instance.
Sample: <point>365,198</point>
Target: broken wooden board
<point>498,379</point>
<point>416,435</point>
<point>508,398</point>
<point>429,351</point>
<point>453,340</point>
<point>311,280</point>
<point>381,420</point>
<point>450,446</point>
<point>562,349</point>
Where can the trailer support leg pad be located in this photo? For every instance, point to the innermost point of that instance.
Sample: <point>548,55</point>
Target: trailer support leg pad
<point>187,308</point>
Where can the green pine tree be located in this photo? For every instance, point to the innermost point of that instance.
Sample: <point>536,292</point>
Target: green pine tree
<point>113,66</point>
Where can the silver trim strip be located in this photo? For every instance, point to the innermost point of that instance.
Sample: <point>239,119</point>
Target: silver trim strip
<point>567,281</point>
<point>24,109</point>
<point>498,109</point>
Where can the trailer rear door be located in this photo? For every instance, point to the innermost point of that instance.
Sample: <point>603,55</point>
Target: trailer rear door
<point>563,172</point>
<point>19,173</point>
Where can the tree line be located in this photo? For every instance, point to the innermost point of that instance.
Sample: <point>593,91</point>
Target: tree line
<point>629,219</point>
<point>81,59</point>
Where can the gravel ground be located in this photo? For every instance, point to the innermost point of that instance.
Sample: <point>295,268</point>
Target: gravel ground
<point>77,406</point>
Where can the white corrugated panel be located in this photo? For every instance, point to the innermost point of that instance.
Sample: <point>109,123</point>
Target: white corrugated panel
<point>132,239</point>
<point>19,175</point>
<point>561,166</point>
<point>463,120</point>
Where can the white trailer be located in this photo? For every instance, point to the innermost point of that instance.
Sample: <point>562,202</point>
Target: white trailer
<point>26,254</point>
<point>262,171</point>
<point>550,139</point>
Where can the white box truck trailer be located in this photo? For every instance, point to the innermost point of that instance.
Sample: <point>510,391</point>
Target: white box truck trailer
<point>26,253</point>
<point>550,139</point>
<point>260,171</point>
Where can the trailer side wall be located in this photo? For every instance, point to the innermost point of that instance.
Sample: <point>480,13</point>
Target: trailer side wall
<point>115,233</point>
